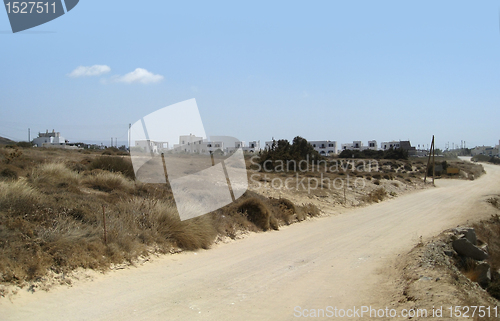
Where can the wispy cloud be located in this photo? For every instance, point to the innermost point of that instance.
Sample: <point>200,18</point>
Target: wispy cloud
<point>95,70</point>
<point>139,75</point>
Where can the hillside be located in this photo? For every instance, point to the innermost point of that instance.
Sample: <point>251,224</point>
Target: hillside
<point>5,141</point>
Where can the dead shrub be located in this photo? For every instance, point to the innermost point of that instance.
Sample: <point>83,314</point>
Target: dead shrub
<point>376,195</point>
<point>495,201</point>
<point>310,209</point>
<point>286,211</point>
<point>9,174</point>
<point>114,164</point>
<point>256,212</point>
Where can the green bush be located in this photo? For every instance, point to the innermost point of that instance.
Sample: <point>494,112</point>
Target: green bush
<point>282,153</point>
<point>24,144</point>
<point>375,154</point>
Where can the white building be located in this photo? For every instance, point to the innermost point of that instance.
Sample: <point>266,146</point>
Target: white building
<point>358,145</point>
<point>150,145</point>
<point>253,147</point>
<point>484,150</point>
<point>388,145</point>
<point>324,147</point>
<point>53,139</point>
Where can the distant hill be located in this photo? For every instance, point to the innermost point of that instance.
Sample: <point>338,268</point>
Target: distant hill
<point>6,141</point>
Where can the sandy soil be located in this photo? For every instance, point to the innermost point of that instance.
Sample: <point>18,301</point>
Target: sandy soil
<point>340,261</point>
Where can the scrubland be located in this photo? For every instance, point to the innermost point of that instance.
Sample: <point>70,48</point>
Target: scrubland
<point>53,204</point>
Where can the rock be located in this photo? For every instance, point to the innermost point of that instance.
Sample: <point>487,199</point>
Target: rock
<point>465,248</point>
<point>469,234</point>
<point>449,253</point>
<point>483,273</point>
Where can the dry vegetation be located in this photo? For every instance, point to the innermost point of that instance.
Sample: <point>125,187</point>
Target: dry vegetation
<point>489,232</point>
<point>51,214</point>
<point>351,182</point>
<point>452,280</point>
<point>52,201</point>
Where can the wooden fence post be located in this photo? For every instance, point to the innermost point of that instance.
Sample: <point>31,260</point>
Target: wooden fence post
<point>104,223</point>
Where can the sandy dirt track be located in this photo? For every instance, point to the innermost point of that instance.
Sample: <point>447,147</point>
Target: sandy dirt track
<point>339,260</point>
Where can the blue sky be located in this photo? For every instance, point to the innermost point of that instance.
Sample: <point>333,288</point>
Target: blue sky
<point>337,70</point>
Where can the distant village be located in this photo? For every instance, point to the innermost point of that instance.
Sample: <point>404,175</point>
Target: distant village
<point>199,145</point>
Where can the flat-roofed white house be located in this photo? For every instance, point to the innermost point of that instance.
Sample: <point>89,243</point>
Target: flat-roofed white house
<point>150,145</point>
<point>253,147</point>
<point>197,145</point>
<point>358,145</point>
<point>403,144</point>
<point>392,144</point>
<point>324,147</point>
<point>268,145</point>
<point>49,139</point>
<point>485,150</point>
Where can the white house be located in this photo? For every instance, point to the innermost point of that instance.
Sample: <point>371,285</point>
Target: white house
<point>324,147</point>
<point>388,145</point>
<point>53,139</point>
<point>358,145</point>
<point>484,150</point>
<point>150,145</point>
<point>253,147</point>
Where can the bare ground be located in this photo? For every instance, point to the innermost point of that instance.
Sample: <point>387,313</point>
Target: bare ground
<point>340,260</point>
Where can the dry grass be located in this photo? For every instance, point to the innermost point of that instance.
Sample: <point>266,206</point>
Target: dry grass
<point>18,197</point>
<point>107,181</point>
<point>113,164</point>
<point>54,174</point>
<point>489,232</point>
<point>376,195</point>
<point>51,217</point>
<point>256,212</point>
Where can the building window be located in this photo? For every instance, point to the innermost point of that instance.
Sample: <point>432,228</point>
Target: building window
<point>330,145</point>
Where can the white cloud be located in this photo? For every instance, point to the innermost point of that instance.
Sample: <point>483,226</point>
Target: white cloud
<point>139,75</point>
<point>94,70</point>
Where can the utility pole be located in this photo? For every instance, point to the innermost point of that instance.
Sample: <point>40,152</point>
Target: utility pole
<point>129,127</point>
<point>29,135</point>
<point>111,142</point>
<point>431,154</point>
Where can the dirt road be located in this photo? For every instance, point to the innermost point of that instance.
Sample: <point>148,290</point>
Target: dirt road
<point>331,261</point>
